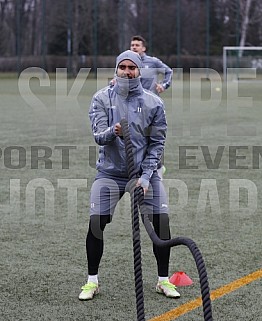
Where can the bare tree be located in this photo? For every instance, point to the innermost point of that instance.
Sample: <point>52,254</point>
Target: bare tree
<point>245,10</point>
<point>7,32</point>
<point>75,32</point>
<point>243,14</point>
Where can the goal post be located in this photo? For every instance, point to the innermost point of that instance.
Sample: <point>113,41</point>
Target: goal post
<point>241,57</point>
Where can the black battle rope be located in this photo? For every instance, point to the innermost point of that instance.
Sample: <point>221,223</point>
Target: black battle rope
<point>137,197</point>
<point>135,226</point>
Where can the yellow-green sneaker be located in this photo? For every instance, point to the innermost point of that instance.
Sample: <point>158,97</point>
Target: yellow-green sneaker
<point>89,290</point>
<point>161,171</point>
<point>168,289</point>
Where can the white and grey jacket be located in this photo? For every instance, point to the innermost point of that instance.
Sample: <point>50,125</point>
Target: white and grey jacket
<point>145,114</point>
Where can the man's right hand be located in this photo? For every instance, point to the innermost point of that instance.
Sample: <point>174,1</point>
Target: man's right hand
<point>112,82</point>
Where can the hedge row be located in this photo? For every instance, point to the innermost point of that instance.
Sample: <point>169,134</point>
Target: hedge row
<point>50,63</point>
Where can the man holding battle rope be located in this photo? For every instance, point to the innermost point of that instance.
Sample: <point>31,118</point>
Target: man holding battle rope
<point>145,113</point>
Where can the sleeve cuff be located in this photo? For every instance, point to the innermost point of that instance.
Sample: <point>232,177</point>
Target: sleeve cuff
<point>144,181</point>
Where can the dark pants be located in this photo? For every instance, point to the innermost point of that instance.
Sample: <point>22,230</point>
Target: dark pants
<point>95,242</point>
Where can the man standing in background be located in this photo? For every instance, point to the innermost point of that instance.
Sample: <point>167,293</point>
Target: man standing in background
<point>152,68</point>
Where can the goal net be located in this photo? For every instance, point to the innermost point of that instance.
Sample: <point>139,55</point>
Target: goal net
<point>237,59</point>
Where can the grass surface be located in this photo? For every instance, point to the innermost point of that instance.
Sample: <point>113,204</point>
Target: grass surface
<point>43,260</point>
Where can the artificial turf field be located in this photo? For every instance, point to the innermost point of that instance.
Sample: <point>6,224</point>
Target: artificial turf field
<point>213,180</point>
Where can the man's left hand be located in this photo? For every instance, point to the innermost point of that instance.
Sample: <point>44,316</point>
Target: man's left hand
<point>159,88</point>
<point>143,183</point>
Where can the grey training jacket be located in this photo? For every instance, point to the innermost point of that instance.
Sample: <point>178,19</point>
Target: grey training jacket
<point>147,123</point>
<point>152,67</point>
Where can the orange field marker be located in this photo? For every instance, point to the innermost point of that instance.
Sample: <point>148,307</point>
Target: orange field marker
<point>187,307</point>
